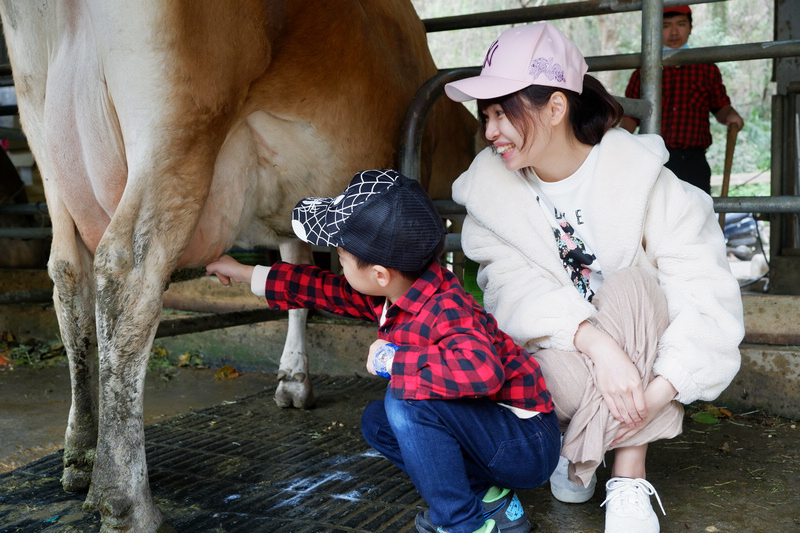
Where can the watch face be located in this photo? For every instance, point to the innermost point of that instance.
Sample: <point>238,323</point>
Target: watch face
<point>383,358</point>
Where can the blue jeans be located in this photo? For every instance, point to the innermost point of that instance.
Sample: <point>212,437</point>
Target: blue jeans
<point>454,450</point>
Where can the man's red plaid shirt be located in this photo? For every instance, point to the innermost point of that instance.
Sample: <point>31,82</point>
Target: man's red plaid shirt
<point>689,93</point>
<point>449,346</point>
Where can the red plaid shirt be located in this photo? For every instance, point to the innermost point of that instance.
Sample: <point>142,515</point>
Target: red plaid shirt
<point>449,346</point>
<point>689,93</point>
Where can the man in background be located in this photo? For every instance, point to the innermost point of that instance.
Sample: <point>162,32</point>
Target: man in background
<point>688,94</point>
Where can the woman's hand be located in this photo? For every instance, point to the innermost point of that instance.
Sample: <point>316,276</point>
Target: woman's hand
<point>227,268</point>
<point>616,377</point>
<point>658,395</point>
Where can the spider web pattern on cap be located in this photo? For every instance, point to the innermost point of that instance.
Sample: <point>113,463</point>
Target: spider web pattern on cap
<point>322,219</point>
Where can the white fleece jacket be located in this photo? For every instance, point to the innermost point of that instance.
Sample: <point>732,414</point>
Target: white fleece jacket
<point>642,215</point>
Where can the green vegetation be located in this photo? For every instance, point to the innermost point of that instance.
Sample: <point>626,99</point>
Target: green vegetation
<point>37,354</point>
<point>745,189</point>
<point>30,352</point>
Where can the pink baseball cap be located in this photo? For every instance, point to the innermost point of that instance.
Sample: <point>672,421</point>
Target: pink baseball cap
<point>534,54</point>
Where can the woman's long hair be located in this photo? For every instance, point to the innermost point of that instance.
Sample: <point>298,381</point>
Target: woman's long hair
<point>591,113</point>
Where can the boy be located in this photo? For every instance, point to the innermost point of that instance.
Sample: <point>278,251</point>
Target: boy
<point>467,410</point>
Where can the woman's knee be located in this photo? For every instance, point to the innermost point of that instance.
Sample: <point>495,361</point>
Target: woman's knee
<point>625,279</point>
<point>634,283</point>
<point>631,295</point>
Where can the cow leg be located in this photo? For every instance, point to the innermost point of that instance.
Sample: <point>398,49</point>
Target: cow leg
<point>294,384</point>
<point>132,264</point>
<point>70,267</point>
<point>129,305</point>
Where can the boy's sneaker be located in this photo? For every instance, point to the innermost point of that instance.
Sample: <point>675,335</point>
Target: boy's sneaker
<point>628,508</point>
<point>508,514</point>
<point>565,490</point>
<point>424,525</point>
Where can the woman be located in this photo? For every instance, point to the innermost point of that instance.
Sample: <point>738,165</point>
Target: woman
<point>598,260</point>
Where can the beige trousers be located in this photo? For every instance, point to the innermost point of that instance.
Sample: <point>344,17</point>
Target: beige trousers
<point>632,309</point>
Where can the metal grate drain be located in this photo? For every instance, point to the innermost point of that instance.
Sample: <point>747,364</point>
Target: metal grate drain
<point>245,467</point>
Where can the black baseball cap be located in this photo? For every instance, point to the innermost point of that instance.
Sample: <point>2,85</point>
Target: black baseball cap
<point>382,217</point>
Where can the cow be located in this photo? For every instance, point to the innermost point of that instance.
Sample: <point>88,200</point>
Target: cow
<point>166,132</point>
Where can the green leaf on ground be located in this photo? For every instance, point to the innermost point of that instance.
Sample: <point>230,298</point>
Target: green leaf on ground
<point>704,417</point>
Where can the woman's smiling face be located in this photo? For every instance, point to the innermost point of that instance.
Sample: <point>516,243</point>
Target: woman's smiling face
<point>517,151</point>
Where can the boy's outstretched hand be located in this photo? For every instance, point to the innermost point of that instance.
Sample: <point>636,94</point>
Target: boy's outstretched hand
<point>229,269</point>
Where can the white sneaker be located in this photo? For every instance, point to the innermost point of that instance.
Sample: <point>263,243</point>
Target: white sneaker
<point>628,508</point>
<point>565,490</point>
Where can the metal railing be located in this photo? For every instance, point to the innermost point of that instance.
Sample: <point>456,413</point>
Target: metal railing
<point>552,12</point>
<point>650,60</point>
<point>648,108</point>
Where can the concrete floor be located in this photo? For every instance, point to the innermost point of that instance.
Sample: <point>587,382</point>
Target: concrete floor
<point>737,475</point>
<point>232,461</point>
<point>34,404</point>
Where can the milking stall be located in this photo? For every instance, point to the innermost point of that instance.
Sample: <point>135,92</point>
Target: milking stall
<point>221,456</point>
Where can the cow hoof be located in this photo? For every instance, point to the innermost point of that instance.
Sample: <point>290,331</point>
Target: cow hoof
<point>75,480</point>
<point>162,528</point>
<point>120,513</point>
<point>78,465</point>
<point>294,391</point>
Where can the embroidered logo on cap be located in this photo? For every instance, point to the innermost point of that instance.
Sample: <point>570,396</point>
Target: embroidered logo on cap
<point>548,67</point>
<point>487,62</point>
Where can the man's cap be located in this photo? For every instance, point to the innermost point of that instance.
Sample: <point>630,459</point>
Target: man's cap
<point>533,54</point>
<point>683,10</point>
<point>382,217</point>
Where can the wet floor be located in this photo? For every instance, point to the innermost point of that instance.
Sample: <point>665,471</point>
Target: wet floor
<point>222,457</point>
<point>34,403</point>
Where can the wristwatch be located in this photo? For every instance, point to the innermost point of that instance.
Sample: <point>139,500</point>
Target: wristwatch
<point>383,358</point>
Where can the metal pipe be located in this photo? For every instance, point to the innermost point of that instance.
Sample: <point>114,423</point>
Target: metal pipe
<point>12,134</point>
<point>635,107</point>
<point>27,297</point>
<point>536,14</point>
<point>747,204</point>
<point>39,208</point>
<point>449,207</point>
<point>414,122</point>
<point>172,327</point>
<point>26,233</point>
<point>733,52</point>
<point>709,54</point>
<point>730,204</point>
<point>452,242</point>
<point>168,327</point>
<point>180,326</point>
<point>420,106</point>
<point>757,204</point>
<point>426,96</point>
<point>652,22</point>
